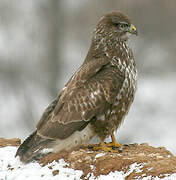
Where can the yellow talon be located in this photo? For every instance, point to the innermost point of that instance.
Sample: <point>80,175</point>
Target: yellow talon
<point>103,148</point>
<point>107,147</point>
<point>114,143</point>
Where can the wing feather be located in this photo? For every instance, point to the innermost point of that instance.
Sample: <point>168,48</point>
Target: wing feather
<point>86,95</point>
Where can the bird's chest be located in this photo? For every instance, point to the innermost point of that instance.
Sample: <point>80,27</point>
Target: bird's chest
<point>125,96</point>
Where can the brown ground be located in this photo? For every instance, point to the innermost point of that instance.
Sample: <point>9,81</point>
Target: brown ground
<point>153,161</point>
<point>9,142</point>
<point>150,161</point>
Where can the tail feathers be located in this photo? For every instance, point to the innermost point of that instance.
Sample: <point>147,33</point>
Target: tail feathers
<point>31,148</point>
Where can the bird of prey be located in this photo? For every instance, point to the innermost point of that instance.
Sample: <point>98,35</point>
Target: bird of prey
<point>95,99</point>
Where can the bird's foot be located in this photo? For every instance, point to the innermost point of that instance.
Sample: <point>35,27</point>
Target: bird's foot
<point>113,144</point>
<point>104,148</point>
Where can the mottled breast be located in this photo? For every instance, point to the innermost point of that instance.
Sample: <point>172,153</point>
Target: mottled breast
<point>126,66</point>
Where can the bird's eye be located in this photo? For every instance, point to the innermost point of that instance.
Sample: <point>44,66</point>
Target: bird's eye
<point>123,25</point>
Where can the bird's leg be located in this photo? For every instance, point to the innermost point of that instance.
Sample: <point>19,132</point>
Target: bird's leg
<point>114,143</point>
<point>103,147</point>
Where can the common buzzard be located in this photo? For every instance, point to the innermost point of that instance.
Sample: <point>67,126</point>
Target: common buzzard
<point>96,98</point>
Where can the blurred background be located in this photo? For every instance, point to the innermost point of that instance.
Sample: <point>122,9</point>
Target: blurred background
<point>43,42</point>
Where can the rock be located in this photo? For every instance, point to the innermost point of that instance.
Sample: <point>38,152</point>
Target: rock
<point>9,142</point>
<point>55,172</point>
<point>137,161</point>
<point>134,161</point>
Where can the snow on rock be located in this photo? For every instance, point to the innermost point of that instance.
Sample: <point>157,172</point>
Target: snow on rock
<point>140,162</point>
<point>12,169</point>
<point>99,155</point>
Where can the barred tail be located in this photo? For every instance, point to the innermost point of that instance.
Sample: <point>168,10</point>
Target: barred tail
<point>31,148</point>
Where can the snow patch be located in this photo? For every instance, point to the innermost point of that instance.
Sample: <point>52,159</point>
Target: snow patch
<point>12,169</point>
<point>99,155</point>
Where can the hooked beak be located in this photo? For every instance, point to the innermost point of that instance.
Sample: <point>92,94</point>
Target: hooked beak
<point>133,30</point>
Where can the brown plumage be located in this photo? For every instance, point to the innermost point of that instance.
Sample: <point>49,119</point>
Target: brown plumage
<point>95,99</point>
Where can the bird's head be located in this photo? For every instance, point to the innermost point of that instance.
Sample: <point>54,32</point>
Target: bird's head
<point>116,24</point>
